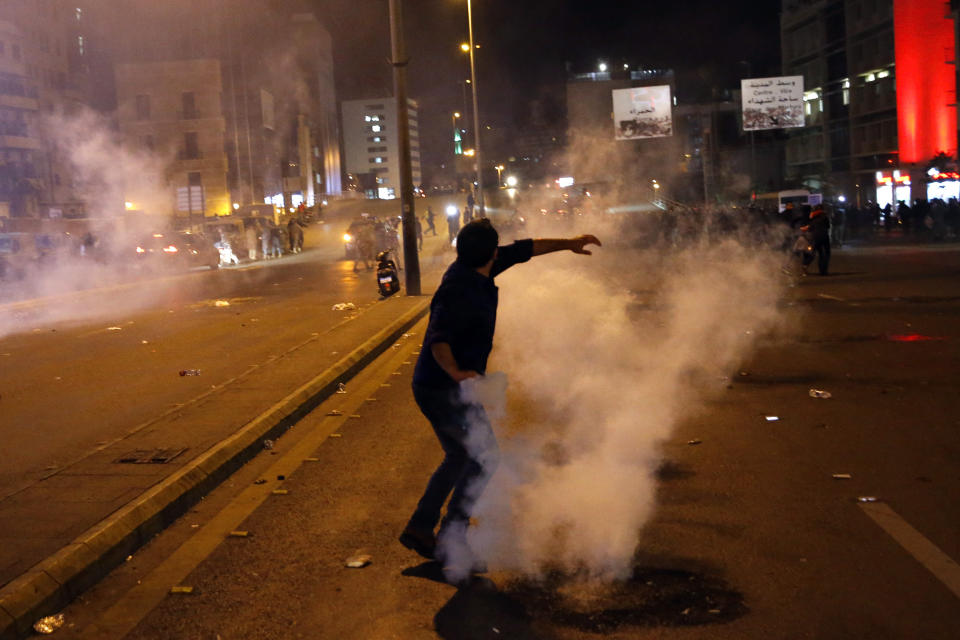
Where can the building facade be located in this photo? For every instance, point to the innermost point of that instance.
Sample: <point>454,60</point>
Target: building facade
<point>372,146</point>
<point>43,75</point>
<point>880,94</point>
<point>173,110</point>
<point>275,114</point>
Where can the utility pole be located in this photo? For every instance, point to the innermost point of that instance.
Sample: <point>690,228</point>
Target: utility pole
<point>399,62</point>
<point>476,113</point>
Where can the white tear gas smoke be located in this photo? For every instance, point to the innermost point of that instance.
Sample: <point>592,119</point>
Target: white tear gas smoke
<point>61,256</point>
<point>602,376</point>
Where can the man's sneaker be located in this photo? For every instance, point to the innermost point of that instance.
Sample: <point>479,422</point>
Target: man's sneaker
<point>421,542</point>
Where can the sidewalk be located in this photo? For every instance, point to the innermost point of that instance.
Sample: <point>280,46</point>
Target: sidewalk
<point>80,522</point>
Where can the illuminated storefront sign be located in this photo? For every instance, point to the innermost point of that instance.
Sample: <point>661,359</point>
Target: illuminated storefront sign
<point>943,185</point>
<point>926,124</point>
<point>892,188</point>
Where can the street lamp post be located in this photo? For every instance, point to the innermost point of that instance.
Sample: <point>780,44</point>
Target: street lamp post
<point>499,169</point>
<point>399,62</point>
<point>476,112</point>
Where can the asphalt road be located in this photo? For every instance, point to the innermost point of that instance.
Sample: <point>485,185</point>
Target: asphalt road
<point>752,535</point>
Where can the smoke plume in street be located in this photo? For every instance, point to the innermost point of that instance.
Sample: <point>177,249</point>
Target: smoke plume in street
<point>605,359</point>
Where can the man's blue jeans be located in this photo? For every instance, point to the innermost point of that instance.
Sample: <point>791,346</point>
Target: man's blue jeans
<point>471,456</point>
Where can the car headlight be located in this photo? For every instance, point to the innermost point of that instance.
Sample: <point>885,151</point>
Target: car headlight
<point>347,237</point>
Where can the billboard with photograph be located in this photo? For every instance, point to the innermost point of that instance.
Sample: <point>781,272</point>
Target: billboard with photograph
<point>772,103</point>
<point>642,112</point>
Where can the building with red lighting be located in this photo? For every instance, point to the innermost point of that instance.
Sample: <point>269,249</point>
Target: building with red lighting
<point>880,95</point>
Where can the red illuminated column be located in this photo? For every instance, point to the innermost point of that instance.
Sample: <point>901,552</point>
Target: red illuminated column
<point>924,41</point>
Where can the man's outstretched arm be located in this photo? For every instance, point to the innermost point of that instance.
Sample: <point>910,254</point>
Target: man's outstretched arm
<point>549,245</point>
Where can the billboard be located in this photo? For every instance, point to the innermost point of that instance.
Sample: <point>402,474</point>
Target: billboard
<point>642,112</point>
<point>772,103</point>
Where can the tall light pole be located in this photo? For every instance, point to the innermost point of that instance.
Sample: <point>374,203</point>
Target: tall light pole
<point>499,169</point>
<point>476,110</point>
<point>399,62</point>
<point>457,140</point>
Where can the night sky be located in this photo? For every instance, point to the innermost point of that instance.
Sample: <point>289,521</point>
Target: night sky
<point>528,46</point>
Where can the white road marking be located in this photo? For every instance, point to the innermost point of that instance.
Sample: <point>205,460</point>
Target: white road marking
<point>925,552</point>
<point>827,296</point>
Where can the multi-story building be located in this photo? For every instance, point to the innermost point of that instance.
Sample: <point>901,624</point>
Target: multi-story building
<point>42,76</point>
<point>372,146</point>
<point>879,95</point>
<point>173,111</point>
<point>274,112</point>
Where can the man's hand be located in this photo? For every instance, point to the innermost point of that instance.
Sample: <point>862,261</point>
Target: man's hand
<point>577,244</point>
<point>463,374</point>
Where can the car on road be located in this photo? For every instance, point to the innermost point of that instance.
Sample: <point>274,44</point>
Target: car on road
<point>177,250</point>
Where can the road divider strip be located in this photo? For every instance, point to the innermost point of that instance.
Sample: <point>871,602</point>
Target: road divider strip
<point>53,583</point>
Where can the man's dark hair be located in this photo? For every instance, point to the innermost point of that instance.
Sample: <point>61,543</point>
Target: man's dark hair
<point>476,243</point>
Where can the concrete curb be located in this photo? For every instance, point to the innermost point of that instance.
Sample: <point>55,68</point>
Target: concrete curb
<point>53,583</point>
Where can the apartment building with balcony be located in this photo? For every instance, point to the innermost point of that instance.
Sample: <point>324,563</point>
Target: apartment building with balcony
<point>173,111</point>
<point>43,73</point>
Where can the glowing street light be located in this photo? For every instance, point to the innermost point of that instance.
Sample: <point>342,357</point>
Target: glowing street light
<point>511,181</point>
<point>499,169</point>
<point>464,47</point>
<point>602,67</point>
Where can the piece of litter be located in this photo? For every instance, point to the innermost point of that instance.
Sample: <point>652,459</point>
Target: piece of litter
<point>820,393</point>
<point>713,611</point>
<point>355,416</point>
<point>344,306</point>
<point>867,499</point>
<point>358,561</point>
<point>181,589</point>
<point>268,444</point>
<point>772,418</point>
<point>221,303</point>
<point>311,459</point>
<point>495,630</point>
<point>279,492</point>
<point>341,388</point>
<point>842,476</point>
<point>260,481</point>
<point>281,477</point>
<point>129,558</point>
<point>114,328</point>
<point>335,412</point>
<point>49,624</point>
<point>194,526</point>
<point>336,435</point>
<point>239,534</point>
<point>694,441</point>
<point>385,384</point>
<point>189,372</point>
<point>144,342</point>
<point>685,612</point>
<point>396,373</point>
<point>371,399</point>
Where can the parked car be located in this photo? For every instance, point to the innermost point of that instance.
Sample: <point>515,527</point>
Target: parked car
<point>177,250</point>
<point>15,257</point>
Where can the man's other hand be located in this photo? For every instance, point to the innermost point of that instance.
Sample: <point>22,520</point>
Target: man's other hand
<point>464,374</point>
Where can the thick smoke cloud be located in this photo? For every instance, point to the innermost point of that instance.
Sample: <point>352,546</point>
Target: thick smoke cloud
<point>605,359</point>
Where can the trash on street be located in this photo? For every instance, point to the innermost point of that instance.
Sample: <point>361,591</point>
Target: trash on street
<point>49,624</point>
<point>358,561</point>
<point>268,444</point>
<point>181,589</point>
<point>344,306</point>
<point>260,481</point>
<point>842,476</point>
<point>335,412</point>
<point>694,441</point>
<point>867,499</point>
<point>239,534</point>
<point>114,328</point>
<point>772,418</point>
<point>341,388</point>
<point>820,393</point>
<point>189,372</point>
<point>221,303</point>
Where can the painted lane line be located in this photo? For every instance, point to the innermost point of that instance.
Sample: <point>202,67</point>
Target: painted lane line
<point>925,552</point>
<point>134,605</point>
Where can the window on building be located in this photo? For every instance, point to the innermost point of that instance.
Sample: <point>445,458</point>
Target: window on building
<point>80,45</point>
<point>191,145</point>
<point>376,128</point>
<point>195,179</point>
<point>143,107</point>
<point>189,103</point>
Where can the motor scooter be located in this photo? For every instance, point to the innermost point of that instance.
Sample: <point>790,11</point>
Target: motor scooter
<point>387,279</point>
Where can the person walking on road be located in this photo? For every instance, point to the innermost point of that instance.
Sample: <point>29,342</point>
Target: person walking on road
<point>819,229</point>
<point>430,216</point>
<point>419,228</point>
<point>295,235</point>
<point>456,345</point>
<point>453,224</point>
